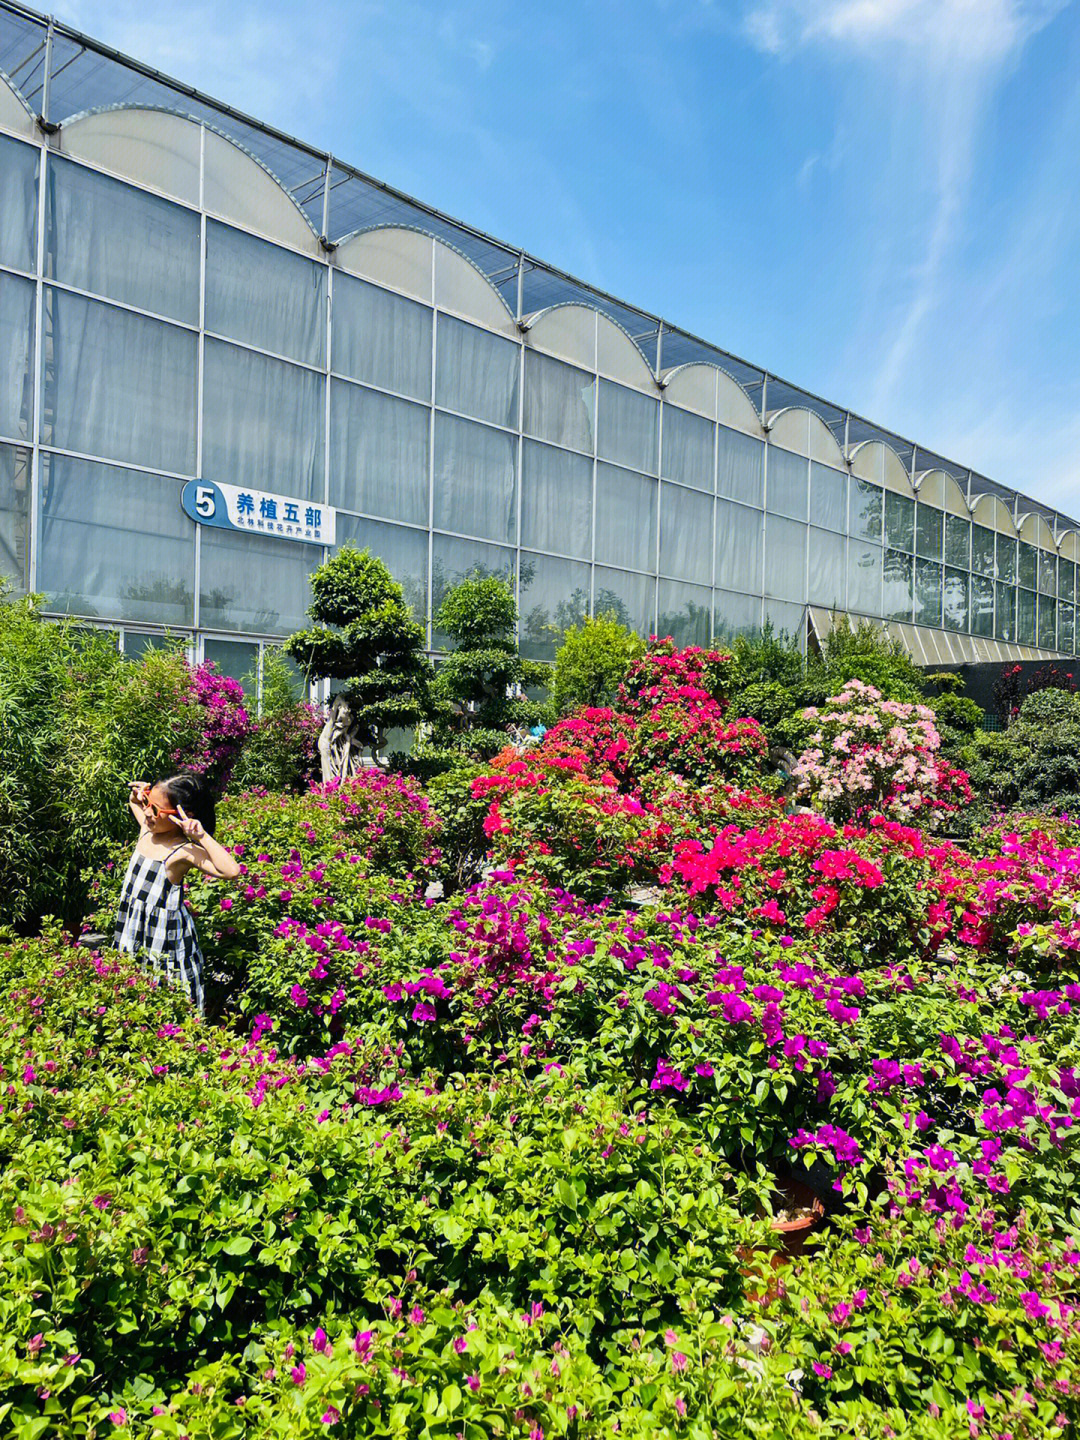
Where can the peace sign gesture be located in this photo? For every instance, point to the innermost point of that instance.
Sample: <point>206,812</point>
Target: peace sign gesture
<point>192,828</point>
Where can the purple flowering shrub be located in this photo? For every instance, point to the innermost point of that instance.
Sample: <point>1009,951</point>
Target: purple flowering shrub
<point>281,752</point>
<point>336,853</point>
<point>215,704</point>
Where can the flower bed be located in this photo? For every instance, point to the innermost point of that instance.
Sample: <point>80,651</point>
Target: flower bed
<point>514,1163</point>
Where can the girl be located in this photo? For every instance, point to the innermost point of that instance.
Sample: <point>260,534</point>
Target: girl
<point>176,822</point>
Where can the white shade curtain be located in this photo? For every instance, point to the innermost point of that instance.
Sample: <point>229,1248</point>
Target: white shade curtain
<point>560,403</point>
<point>16,357</point>
<point>475,479</point>
<point>121,386</point>
<point>627,428</point>
<point>265,296</point>
<point>108,238</point>
<point>263,422</point>
<point>625,518</point>
<point>689,445</point>
<point>686,534</point>
<point>379,453</point>
<point>556,500</point>
<point>18,203</point>
<point>114,542</point>
<point>381,338</point>
<point>476,373</point>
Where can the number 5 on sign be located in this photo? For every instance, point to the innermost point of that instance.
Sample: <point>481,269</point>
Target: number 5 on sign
<point>205,504</point>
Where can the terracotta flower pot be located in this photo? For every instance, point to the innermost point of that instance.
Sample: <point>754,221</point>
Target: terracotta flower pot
<point>804,1212</point>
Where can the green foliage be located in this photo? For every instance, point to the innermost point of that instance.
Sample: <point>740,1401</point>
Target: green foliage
<point>367,638</point>
<point>592,662</point>
<point>1035,763</point>
<point>480,680</point>
<point>77,724</point>
<point>865,651</point>
<point>281,751</point>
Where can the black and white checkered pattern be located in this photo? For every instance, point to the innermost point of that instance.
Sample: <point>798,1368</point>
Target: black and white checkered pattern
<point>153,920</point>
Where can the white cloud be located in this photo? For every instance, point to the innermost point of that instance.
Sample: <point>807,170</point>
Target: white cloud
<point>966,31</point>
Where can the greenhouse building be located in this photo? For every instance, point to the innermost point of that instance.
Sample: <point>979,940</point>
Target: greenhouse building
<point>225,353</point>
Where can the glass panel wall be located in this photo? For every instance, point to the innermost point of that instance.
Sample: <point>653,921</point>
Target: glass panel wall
<point>119,386</point>
<point>124,244</point>
<point>1025,617</point>
<point>1004,611</point>
<point>404,551</point>
<point>900,522</point>
<point>785,550</point>
<point>617,486</point>
<point>630,598</point>
<point>982,605</point>
<point>955,596</point>
<point>735,615</point>
<point>475,479</point>
<point>689,448</point>
<point>18,204</point>
<point>16,357</point>
<point>556,500</point>
<point>685,613</point>
<point>560,403</point>
<point>787,478</point>
<point>739,543</point>
<point>628,427</point>
<point>263,422</point>
<point>827,569</point>
<point>929,531</point>
<point>1047,622</point>
<point>625,518</point>
<point>265,296</point>
<point>828,498</point>
<point>554,596</point>
<point>897,595</point>
<point>254,584</point>
<point>864,577</point>
<point>686,534</point>
<point>379,453</point>
<point>381,338</point>
<point>982,550</point>
<point>740,466</point>
<point>958,543</point>
<point>864,517</point>
<point>15,517</point>
<point>114,543</point>
<point>476,373</point>
<point>928,580</point>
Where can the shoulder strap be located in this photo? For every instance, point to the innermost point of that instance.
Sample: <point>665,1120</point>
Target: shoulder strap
<point>173,851</point>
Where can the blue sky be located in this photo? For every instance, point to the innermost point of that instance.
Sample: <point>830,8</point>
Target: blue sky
<point>875,199</point>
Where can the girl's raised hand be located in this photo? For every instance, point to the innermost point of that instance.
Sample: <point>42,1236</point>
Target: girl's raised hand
<point>192,828</point>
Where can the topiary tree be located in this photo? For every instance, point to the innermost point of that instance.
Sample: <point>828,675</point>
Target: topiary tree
<point>366,638</point>
<point>481,679</point>
<point>592,663</point>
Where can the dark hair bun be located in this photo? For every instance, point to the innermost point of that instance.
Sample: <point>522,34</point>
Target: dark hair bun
<point>192,793</point>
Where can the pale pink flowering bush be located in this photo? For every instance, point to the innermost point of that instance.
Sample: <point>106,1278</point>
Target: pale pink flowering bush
<point>871,756</point>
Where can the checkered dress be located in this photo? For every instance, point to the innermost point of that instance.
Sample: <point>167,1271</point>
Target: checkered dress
<point>153,919</point>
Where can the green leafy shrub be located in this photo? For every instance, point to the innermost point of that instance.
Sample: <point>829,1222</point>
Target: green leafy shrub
<point>1035,764</point>
<point>481,679</point>
<point>591,663</point>
<point>78,723</point>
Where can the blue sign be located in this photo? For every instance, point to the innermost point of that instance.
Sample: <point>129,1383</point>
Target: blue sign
<point>259,512</point>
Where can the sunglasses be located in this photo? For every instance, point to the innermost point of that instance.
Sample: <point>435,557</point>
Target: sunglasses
<point>155,811</point>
